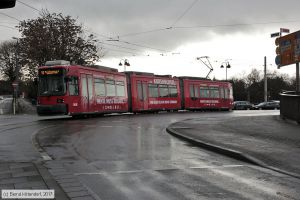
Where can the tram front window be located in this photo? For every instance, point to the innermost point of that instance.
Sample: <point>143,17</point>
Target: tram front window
<point>52,85</point>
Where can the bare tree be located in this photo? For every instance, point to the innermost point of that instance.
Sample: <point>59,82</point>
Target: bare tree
<point>55,37</point>
<point>8,61</point>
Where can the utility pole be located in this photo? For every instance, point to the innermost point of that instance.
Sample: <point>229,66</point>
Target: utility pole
<point>297,79</point>
<point>265,81</point>
<point>16,82</point>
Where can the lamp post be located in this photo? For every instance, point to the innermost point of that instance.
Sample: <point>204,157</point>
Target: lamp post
<point>125,63</point>
<point>227,65</point>
<point>15,84</point>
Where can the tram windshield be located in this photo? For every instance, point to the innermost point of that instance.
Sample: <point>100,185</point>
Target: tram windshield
<point>51,83</point>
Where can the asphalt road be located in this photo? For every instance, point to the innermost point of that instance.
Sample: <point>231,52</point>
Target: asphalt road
<point>132,157</point>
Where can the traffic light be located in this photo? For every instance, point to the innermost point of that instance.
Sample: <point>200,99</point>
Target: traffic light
<point>278,56</point>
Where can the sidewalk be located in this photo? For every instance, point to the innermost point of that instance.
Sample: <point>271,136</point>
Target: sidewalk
<point>28,175</point>
<point>264,140</point>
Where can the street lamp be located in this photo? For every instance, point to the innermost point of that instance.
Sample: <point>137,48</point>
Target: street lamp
<point>15,84</point>
<point>227,65</point>
<point>126,63</point>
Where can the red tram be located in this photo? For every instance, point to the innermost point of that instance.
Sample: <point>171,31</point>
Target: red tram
<point>204,94</point>
<point>72,90</point>
<point>149,92</point>
<point>76,90</point>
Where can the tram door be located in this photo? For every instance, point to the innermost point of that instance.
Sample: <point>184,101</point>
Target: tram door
<point>194,96</point>
<point>222,97</point>
<point>86,93</point>
<point>142,98</point>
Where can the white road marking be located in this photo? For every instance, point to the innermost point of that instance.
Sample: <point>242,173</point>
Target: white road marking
<point>139,171</point>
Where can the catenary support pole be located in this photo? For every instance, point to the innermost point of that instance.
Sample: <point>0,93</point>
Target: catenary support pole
<point>265,80</point>
<point>297,78</point>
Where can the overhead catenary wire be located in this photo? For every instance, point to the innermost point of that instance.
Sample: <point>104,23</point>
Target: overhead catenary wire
<point>184,13</point>
<point>122,47</point>
<point>104,36</point>
<point>129,52</point>
<point>1,13</point>
<point>29,6</point>
<point>237,24</point>
<point>144,46</point>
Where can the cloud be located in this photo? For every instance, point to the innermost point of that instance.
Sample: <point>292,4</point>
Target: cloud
<point>118,17</point>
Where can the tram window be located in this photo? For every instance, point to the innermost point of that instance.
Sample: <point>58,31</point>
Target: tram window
<point>192,92</point>
<point>214,92</point>
<point>163,91</point>
<point>226,93</point>
<point>196,91</point>
<point>84,91</point>
<point>73,86</point>
<point>204,92</point>
<point>110,88</point>
<point>173,91</point>
<point>222,93</point>
<point>230,93</point>
<point>99,87</point>
<point>120,88</point>
<point>140,90</point>
<point>153,90</point>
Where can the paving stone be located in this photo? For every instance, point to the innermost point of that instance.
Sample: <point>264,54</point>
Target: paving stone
<point>69,180</point>
<point>83,198</point>
<point>19,165</point>
<point>39,187</point>
<point>71,184</point>
<point>4,167</point>
<point>18,170</point>
<point>35,178</point>
<point>5,175</point>
<point>29,185</point>
<point>22,174</point>
<point>7,186</point>
<point>65,177</point>
<point>58,170</point>
<point>78,194</point>
<point>74,189</point>
<point>28,169</point>
<point>13,180</point>
<point>62,173</point>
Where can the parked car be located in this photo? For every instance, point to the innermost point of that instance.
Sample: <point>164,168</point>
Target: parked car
<point>268,105</point>
<point>242,105</point>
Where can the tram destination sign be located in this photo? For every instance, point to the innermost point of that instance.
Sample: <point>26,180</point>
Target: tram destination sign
<point>288,49</point>
<point>45,72</point>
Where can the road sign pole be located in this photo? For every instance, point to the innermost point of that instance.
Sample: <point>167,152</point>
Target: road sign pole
<point>14,101</point>
<point>297,79</point>
<point>265,80</point>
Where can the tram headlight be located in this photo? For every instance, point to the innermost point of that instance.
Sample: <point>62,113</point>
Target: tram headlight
<point>60,101</point>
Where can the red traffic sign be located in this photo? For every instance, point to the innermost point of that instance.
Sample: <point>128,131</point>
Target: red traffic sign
<point>15,84</point>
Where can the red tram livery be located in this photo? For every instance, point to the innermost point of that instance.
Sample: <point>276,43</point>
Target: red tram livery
<point>72,90</point>
<point>201,93</point>
<point>149,92</point>
<point>76,90</point>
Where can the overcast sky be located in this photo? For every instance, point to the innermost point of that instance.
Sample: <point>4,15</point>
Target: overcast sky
<point>166,36</point>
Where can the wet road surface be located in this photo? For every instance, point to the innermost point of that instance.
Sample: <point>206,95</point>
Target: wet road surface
<point>132,157</point>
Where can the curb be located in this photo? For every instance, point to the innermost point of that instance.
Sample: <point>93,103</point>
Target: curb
<point>228,152</point>
<point>57,176</point>
<point>50,182</point>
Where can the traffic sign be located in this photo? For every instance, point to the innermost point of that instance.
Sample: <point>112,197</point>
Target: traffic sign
<point>15,84</point>
<point>288,50</point>
<point>275,34</point>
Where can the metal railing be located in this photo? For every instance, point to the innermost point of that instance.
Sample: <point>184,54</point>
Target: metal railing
<point>290,105</point>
